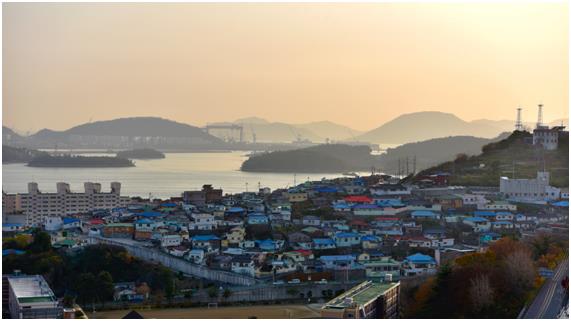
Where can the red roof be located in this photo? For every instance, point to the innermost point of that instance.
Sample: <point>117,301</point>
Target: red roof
<point>96,221</point>
<point>304,252</point>
<point>358,222</point>
<point>358,199</point>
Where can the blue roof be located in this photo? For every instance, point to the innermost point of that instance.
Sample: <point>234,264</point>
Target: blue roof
<point>423,214</point>
<point>420,258</point>
<point>144,221</point>
<point>561,204</point>
<point>69,220</point>
<point>389,202</point>
<point>476,219</point>
<point>504,213</point>
<point>346,234</point>
<point>341,206</point>
<point>235,210</point>
<point>149,214</point>
<point>326,189</point>
<point>484,213</point>
<point>366,206</point>
<point>369,238</point>
<point>323,241</point>
<point>11,225</point>
<point>168,205</point>
<point>502,223</point>
<point>337,258</point>
<point>204,238</point>
<point>12,251</point>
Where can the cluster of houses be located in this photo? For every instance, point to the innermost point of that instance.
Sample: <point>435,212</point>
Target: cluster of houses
<point>372,227</point>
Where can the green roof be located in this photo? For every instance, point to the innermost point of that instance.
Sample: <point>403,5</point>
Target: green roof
<point>119,225</point>
<point>36,299</point>
<point>361,294</point>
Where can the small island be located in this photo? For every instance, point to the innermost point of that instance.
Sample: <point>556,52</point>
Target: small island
<point>328,158</point>
<point>143,153</point>
<point>79,161</point>
<point>12,155</point>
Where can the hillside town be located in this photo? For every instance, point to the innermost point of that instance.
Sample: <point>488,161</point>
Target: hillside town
<point>346,230</point>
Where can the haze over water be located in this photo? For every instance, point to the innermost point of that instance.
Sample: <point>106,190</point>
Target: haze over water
<point>162,178</point>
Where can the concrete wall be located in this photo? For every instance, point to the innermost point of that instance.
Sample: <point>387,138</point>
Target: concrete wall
<point>178,264</point>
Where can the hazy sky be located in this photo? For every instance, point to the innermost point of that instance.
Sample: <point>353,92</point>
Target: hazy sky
<point>355,64</point>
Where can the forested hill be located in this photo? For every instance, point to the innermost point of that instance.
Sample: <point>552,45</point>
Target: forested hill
<point>502,157</point>
<point>317,159</point>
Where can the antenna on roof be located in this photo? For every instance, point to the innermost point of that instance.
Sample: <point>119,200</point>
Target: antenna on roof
<point>518,124</point>
<point>539,115</point>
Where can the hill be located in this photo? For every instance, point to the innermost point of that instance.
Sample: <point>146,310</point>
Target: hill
<point>279,132</point>
<point>9,136</point>
<point>433,151</point>
<point>420,126</point>
<point>317,159</point>
<point>18,155</point>
<point>135,132</point>
<point>503,157</point>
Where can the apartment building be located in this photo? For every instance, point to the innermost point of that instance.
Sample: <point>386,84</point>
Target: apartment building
<point>37,206</point>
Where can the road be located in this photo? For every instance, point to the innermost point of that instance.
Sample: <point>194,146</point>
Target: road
<point>549,300</point>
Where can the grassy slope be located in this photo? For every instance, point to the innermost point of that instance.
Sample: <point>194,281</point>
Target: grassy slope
<point>499,159</point>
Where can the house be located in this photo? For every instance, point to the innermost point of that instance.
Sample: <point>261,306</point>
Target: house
<point>379,268</point>
<point>474,200</point>
<point>12,227</point>
<point>196,256</point>
<point>498,206</point>
<point>347,239</point>
<point>257,218</point>
<point>479,224</point>
<point>266,245</point>
<point>501,225</point>
<point>369,242</point>
<point>323,244</point>
<point>311,220</point>
<point>337,261</point>
<point>53,223</point>
<point>243,264</point>
<point>298,237</point>
<point>389,190</point>
<point>236,235</point>
<point>202,222</point>
<point>71,223</point>
<point>489,237</point>
<point>425,215</point>
<point>296,197</point>
<point>207,242</point>
<point>417,264</point>
<point>128,291</point>
<point>118,230</point>
<point>144,229</point>
<point>170,240</point>
<point>504,216</point>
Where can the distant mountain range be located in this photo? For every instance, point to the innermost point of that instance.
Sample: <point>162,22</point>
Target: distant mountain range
<point>421,126</point>
<point>136,132</point>
<point>279,132</point>
<point>142,132</point>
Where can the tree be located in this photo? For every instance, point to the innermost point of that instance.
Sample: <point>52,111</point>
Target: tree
<point>227,293</point>
<point>213,292</point>
<point>292,291</point>
<point>481,292</point>
<point>42,242</point>
<point>520,269</point>
<point>105,286</point>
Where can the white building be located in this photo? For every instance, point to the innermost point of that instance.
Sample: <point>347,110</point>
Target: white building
<point>37,205</point>
<point>547,137</point>
<point>536,189</point>
<point>389,190</point>
<point>30,297</point>
<point>171,240</point>
<point>474,199</point>
<point>202,222</point>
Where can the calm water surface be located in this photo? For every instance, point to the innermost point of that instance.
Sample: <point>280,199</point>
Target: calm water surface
<point>161,177</point>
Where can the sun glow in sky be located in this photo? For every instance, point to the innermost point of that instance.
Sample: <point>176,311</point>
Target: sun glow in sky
<point>355,64</point>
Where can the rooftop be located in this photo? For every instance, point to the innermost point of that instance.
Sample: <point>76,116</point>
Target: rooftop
<point>360,295</point>
<point>31,288</point>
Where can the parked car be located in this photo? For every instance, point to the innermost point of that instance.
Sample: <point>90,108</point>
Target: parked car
<point>279,282</point>
<point>294,281</point>
<point>322,281</point>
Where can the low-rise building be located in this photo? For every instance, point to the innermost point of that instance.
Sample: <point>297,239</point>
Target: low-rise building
<point>368,300</point>
<point>30,297</point>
